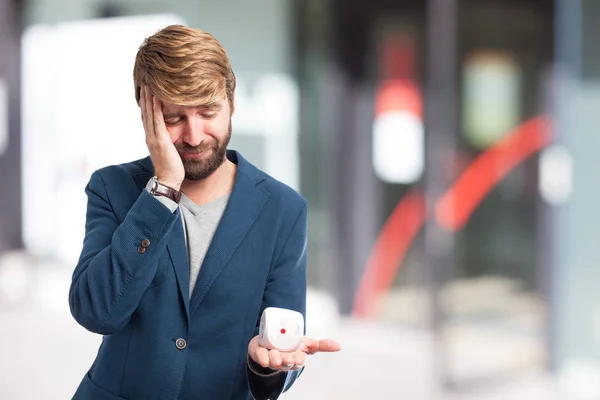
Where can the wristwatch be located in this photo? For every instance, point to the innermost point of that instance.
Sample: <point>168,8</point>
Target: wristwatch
<point>158,189</point>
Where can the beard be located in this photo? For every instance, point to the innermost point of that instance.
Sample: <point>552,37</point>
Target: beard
<point>197,170</point>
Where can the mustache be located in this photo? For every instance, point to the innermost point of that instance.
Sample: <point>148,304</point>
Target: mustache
<point>186,148</point>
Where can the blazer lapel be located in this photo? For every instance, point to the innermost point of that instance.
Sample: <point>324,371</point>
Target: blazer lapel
<point>178,253</point>
<point>245,204</point>
<point>176,245</point>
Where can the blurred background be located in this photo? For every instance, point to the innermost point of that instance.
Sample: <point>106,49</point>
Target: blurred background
<point>443,146</point>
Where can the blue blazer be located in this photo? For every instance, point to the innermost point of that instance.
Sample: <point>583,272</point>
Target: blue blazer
<point>131,285</point>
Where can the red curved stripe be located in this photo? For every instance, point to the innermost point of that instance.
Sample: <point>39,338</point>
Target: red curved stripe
<point>392,245</point>
<point>452,210</point>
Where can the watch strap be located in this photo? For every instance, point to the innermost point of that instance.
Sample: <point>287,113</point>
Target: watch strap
<point>158,189</point>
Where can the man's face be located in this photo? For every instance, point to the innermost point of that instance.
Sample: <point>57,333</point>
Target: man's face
<point>200,135</point>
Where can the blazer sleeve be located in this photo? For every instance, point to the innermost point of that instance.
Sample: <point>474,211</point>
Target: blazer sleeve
<point>118,260</point>
<point>286,288</point>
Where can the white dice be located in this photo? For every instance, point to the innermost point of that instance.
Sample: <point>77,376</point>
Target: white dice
<point>281,329</point>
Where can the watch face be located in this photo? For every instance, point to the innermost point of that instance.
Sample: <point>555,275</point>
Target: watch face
<point>152,185</point>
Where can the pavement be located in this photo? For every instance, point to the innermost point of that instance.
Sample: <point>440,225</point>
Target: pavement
<point>44,353</point>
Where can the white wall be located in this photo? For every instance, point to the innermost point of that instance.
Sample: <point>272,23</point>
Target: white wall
<point>76,82</point>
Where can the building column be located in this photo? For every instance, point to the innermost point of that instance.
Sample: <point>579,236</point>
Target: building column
<point>441,125</point>
<point>575,242</point>
<point>10,124</point>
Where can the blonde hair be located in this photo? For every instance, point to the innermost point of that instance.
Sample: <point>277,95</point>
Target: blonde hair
<point>184,66</point>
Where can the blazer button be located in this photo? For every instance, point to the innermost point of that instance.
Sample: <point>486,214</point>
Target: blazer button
<point>145,243</point>
<point>141,250</point>
<point>180,344</point>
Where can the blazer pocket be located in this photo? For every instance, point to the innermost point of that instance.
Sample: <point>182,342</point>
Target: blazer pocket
<point>159,278</point>
<point>89,390</point>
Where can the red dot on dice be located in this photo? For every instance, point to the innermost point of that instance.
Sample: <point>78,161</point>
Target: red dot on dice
<point>283,331</point>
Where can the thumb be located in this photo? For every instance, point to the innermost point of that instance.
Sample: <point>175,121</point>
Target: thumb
<point>325,345</point>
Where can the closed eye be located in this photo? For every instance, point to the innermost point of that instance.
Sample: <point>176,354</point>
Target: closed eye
<point>173,121</point>
<point>209,115</point>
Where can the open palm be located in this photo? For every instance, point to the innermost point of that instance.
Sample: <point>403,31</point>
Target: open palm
<point>293,360</point>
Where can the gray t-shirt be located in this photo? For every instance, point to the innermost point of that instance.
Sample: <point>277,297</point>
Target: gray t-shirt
<point>200,224</point>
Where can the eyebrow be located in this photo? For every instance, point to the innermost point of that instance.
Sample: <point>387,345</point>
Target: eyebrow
<point>207,107</point>
<point>212,107</point>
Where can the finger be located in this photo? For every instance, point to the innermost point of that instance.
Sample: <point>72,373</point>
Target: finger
<point>261,356</point>
<point>275,359</point>
<point>146,113</point>
<point>258,353</point>
<point>145,101</point>
<point>299,359</point>
<point>159,119</point>
<point>148,98</point>
<point>150,112</point>
<point>287,359</point>
<point>325,345</point>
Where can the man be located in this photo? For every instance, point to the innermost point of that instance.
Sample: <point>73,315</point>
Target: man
<point>184,249</point>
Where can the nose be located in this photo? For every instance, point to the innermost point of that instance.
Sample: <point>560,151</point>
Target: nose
<point>193,133</point>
